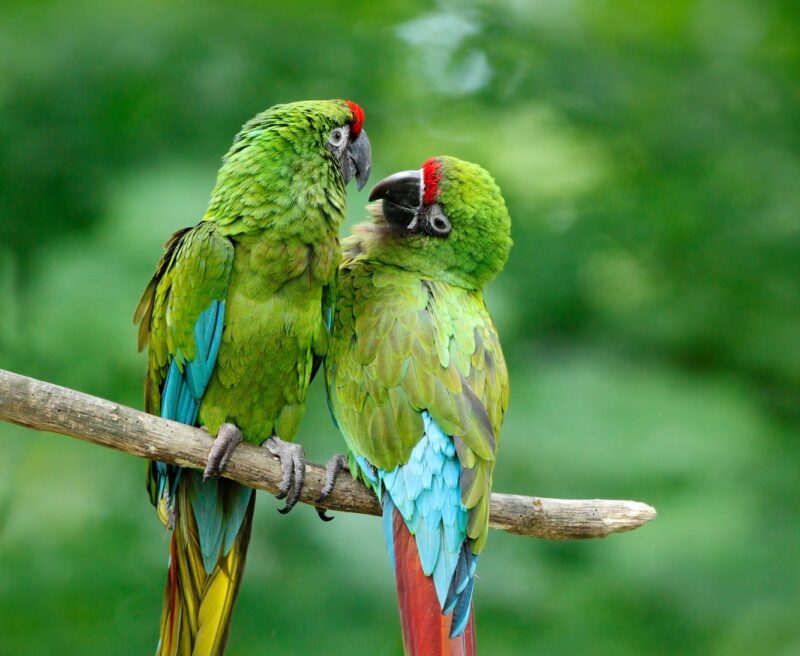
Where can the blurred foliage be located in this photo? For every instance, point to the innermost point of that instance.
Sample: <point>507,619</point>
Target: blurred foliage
<point>650,156</point>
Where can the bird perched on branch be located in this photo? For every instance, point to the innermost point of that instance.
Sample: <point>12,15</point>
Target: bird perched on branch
<point>418,385</point>
<point>235,325</point>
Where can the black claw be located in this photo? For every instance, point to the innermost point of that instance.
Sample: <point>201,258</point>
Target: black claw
<point>288,507</point>
<point>291,502</point>
<point>281,495</point>
<point>321,513</point>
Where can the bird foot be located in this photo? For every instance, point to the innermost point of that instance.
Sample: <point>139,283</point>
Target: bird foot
<point>336,464</point>
<point>293,468</point>
<point>227,439</point>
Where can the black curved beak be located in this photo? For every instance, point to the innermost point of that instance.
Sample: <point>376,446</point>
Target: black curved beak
<point>358,160</point>
<point>401,194</point>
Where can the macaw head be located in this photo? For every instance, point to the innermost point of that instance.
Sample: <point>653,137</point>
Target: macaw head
<point>447,220</point>
<point>346,139</point>
<point>290,140</point>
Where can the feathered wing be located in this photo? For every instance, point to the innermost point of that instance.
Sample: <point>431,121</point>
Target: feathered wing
<point>181,319</point>
<point>320,347</point>
<point>419,386</point>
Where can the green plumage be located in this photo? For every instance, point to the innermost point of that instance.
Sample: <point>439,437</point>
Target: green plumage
<point>411,333</point>
<point>267,246</point>
<point>262,259</point>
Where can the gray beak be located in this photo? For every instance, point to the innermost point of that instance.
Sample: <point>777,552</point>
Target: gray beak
<point>357,160</point>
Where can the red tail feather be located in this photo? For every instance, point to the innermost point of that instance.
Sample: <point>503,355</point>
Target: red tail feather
<point>425,630</point>
<point>172,586</point>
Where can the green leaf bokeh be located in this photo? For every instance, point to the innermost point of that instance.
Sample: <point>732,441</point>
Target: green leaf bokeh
<point>650,157</point>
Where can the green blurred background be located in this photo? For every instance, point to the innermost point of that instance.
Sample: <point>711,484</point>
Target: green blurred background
<point>650,156</point>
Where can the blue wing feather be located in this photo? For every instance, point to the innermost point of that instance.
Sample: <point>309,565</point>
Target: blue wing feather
<point>170,392</point>
<point>218,523</point>
<point>388,525</point>
<point>461,610</point>
<point>426,491</point>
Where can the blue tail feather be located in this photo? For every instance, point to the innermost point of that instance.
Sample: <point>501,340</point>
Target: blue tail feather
<point>388,525</point>
<point>238,498</point>
<point>207,507</point>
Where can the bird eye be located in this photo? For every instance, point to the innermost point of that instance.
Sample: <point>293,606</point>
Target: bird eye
<point>337,137</point>
<point>439,222</point>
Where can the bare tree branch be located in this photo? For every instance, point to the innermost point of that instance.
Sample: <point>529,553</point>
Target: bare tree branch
<point>46,407</point>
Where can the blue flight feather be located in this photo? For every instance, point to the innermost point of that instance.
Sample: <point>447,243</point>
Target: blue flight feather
<point>171,391</point>
<point>368,470</point>
<point>459,597</point>
<point>238,497</point>
<point>461,611</point>
<point>426,491</point>
<point>459,577</point>
<point>207,507</point>
<point>218,520</point>
<point>388,525</point>
<point>186,406</point>
<point>428,547</point>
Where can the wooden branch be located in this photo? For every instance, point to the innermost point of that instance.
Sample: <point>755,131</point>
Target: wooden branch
<point>42,406</point>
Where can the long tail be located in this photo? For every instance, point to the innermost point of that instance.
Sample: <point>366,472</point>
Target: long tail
<point>199,593</point>
<point>426,629</point>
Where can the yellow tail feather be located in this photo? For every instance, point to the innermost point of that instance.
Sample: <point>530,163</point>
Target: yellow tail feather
<point>198,606</point>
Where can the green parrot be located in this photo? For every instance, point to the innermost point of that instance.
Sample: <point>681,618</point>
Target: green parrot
<point>418,386</point>
<point>235,324</point>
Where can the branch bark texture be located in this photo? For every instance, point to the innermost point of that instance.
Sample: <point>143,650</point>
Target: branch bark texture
<point>46,407</point>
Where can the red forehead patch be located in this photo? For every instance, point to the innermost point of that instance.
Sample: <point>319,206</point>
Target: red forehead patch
<point>358,117</point>
<point>431,176</point>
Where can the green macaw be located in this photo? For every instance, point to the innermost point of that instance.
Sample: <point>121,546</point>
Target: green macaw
<point>418,385</point>
<point>234,320</point>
